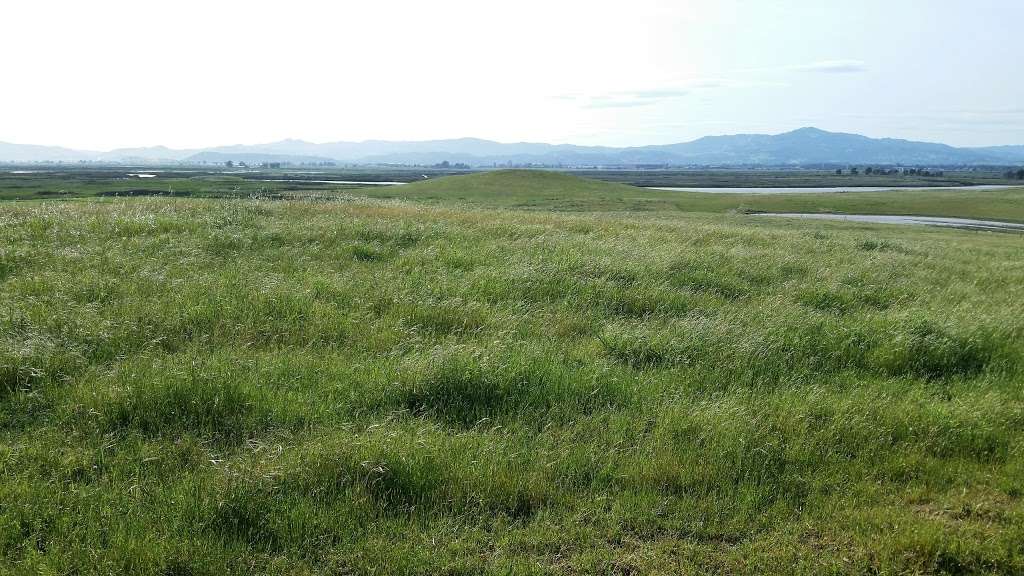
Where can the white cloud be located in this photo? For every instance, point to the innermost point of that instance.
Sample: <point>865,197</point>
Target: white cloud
<point>634,98</point>
<point>833,67</point>
<point>667,91</point>
<point>823,66</point>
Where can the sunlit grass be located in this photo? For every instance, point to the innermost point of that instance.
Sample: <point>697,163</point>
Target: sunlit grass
<point>204,387</point>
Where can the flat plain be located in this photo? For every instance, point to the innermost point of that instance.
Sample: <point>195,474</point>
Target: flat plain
<point>510,372</point>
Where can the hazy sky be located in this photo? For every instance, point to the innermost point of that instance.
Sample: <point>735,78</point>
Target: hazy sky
<point>105,73</point>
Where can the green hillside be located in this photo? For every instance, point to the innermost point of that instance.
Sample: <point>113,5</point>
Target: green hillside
<point>543,190</point>
<point>525,189</point>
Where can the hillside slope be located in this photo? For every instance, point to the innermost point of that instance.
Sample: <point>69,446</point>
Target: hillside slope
<point>543,190</point>
<point>520,189</point>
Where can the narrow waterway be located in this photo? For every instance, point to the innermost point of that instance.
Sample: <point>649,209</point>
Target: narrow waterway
<point>965,223</point>
<point>826,189</point>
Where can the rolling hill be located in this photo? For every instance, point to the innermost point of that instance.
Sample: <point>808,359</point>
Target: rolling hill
<point>559,192</point>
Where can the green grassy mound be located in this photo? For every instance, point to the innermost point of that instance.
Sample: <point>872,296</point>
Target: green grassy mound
<point>538,189</point>
<point>543,190</point>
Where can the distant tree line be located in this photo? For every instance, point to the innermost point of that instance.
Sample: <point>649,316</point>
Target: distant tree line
<point>241,164</point>
<point>871,170</point>
<point>1015,174</point>
<point>449,165</point>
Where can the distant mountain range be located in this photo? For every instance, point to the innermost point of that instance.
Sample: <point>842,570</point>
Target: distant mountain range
<point>806,146</point>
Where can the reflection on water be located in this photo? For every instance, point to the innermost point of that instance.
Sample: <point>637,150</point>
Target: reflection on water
<point>919,220</point>
<point>733,190</point>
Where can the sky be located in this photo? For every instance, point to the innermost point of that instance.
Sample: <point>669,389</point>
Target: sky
<point>105,74</point>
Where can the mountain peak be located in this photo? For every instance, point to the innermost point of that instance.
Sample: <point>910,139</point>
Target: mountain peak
<point>806,146</point>
<point>807,131</point>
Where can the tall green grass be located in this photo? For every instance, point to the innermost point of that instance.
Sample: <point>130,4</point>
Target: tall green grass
<point>210,387</point>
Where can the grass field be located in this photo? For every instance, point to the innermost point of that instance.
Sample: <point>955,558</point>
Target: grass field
<point>436,385</point>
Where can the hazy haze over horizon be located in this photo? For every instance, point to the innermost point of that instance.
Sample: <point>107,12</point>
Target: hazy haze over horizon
<point>189,74</point>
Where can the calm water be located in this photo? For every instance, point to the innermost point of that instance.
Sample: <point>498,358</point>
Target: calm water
<point>966,223</point>
<point>827,189</point>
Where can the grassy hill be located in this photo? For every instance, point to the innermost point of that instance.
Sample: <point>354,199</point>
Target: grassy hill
<point>195,386</point>
<point>541,190</point>
<point>538,189</point>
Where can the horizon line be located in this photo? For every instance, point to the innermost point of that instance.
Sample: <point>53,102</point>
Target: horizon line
<point>488,140</point>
